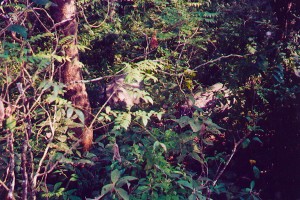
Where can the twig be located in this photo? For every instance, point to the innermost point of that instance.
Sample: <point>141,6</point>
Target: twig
<point>236,145</point>
<point>24,149</point>
<point>61,23</point>
<point>96,79</point>
<point>11,167</point>
<point>99,25</point>
<point>51,124</point>
<point>42,9</point>
<point>146,131</point>
<point>3,184</point>
<point>220,58</point>
<point>17,19</point>
<point>38,18</point>
<point>100,110</point>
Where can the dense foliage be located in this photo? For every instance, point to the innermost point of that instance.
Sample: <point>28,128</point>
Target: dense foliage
<point>190,99</point>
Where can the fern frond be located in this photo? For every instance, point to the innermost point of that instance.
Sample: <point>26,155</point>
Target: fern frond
<point>123,120</point>
<point>40,36</point>
<point>148,65</point>
<point>194,4</point>
<point>66,40</point>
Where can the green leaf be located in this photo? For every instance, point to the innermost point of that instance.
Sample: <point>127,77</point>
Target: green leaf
<point>163,146</point>
<point>41,2</point>
<point>115,175</point>
<point>51,98</point>
<point>107,109</point>
<point>85,161</point>
<point>197,157</point>
<point>195,125</point>
<point>183,121</point>
<point>125,180</point>
<point>61,146</point>
<point>62,138</point>
<point>246,143</point>
<point>57,186</point>
<point>123,120</point>
<point>159,115</point>
<point>70,112</point>
<point>80,115</point>
<point>257,139</point>
<point>157,143</point>
<point>256,172</point>
<point>46,84</point>
<point>72,197</point>
<point>106,189</point>
<point>74,177</point>
<point>69,192</point>
<point>145,120</point>
<point>252,184</point>
<point>192,197</point>
<point>18,29</point>
<point>122,193</point>
<point>185,184</point>
<point>211,124</point>
<point>11,123</point>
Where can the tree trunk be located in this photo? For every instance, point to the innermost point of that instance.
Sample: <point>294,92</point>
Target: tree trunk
<point>282,9</point>
<point>71,70</point>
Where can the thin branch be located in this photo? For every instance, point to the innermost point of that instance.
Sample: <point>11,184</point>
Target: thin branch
<point>38,18</point>
<point>42,9</point>
<point>235,147</point>
<point>96,79</point>
<point>61,23</point>
<point>220,58</point>
<point>58,160</point>
<point>3,184</point>
<point>24,148</point>
<point>51,124</point>
<point>17,19</point>
<point>99,25</point>
<point>100,110</point>
<point>11,167</point>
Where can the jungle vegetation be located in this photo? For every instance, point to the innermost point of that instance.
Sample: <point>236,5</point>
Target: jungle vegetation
<point>149,99</point>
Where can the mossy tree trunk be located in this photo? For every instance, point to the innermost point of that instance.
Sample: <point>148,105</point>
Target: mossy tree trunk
<point>71,70</point>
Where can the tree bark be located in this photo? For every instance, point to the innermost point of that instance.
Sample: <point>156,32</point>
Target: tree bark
<point>71,70</point>
<point>282,9</point>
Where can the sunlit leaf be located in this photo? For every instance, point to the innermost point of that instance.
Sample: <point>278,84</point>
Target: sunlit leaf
<point>125,180</point>
<point>62,138</point>
<point>107,109</point>
<point>115,175</point>
<point>80,115</point>
<point>157,143</point>
<point>85,161</point>
<point>74,177</point>
<point>70,112</point>
<point>195,125</point>
<point>122,193</point>
<point>106,189</point>
<point>183,121</point>
<point>11,123</point>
